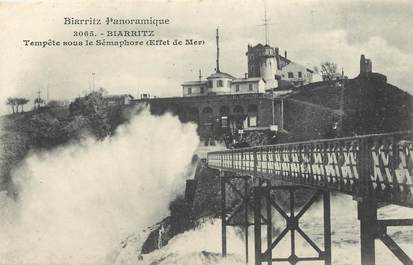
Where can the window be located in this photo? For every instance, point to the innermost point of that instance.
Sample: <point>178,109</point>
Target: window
<point>189,90</point>
<point>201,90</point>
<point>224,121</point>
<point>209,84</point>
<point>290,75</point>
<point>300,74</point>
<point>219,83</point>
<point>237,88</point>
<point>250,87</point>
<point>229,83</point>
<point>252,121</point>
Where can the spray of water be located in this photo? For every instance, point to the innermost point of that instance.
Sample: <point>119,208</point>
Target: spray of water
<point>76,203</point>
<point>190,247</point>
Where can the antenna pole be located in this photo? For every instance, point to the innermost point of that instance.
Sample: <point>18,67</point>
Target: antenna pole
<point>93,81</point>
<point>217,51</point>
<point>47,92</point>
<point>38,98</point>
<point>48,86</point>
<point>265,22</point>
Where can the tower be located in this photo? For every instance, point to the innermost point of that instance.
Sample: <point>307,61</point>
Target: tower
<point>365,65</point>
<point>262,62</point>
<point>262,59</point>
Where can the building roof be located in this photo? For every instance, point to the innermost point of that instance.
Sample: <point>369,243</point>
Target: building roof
<point>287,61</point>
<point>260,46</point>
<point>193,83</point>
<point>118,96</point>
<point>282,58</point>
<point>220,75</point>
<point>246,80</point>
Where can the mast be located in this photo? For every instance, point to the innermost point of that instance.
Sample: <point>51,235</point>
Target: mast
<point>266,22</point>
<point>93,82</point>
<point>47,92</point>
<point>217,69</point>
<point>48,86</point>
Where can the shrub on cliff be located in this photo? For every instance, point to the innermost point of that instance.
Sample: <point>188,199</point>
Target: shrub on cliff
<point>45,131</point>
<point>95,109</point>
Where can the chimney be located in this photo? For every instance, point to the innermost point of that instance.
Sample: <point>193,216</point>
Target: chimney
<point>285,54</point>
<point>200,75</point>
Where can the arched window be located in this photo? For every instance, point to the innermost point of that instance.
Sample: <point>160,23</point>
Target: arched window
<point>193,115</point>
<point>219,83</point>
<point>207,113</point>
<point>207,119</point>
<point>238,110</point>
<point>182,115</point>
<point>224,116</point>
<point>239,117</point>
<point>252,116</point>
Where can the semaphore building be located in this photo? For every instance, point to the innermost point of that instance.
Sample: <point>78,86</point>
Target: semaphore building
<point>278,95</point>
<point>267,71</point>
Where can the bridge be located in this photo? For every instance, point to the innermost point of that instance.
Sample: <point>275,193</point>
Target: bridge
<point>374,169</point>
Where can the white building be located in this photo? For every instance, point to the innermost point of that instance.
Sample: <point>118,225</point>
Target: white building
<point>220,83</point>
<point>265,61</point>
<point>266,70</point>
<point>296,74</point>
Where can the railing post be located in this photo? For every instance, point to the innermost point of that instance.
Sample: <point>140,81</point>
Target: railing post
<point>223,215</point>
<point>246,218</point>
<point>232,160</point>
<point>327,228</point>
<point>269,224</point>
<point>367,207</point>
<point>257,224</point>
<point>367,214</point>
<point>255,162</point>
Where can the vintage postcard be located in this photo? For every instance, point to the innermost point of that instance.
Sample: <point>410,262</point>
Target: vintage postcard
<point>200,132</point>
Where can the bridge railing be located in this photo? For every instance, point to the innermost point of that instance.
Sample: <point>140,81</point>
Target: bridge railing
<point>378,165</point>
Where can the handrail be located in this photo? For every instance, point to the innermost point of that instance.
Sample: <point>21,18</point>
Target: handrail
<point>375,165</point>
<point>319,141</point>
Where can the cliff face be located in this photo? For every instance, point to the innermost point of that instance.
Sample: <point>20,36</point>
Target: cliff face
<point>366,104</point>
<point>202,200</point>
<point>49,127</point>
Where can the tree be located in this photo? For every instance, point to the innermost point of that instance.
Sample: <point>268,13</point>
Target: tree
<point>53,104</point>
<point>11,102</point>
<point>38,102</point>
<point>95,108</point>
<point>21,102</point>
<point>328,71</point>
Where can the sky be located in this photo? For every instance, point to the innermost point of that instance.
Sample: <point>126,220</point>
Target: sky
<point>311,31</point>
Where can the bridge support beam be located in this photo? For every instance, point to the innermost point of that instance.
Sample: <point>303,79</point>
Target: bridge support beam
<point>371,229</point>
<point>239,214</point>
<point>258,193</point>
<point>223,217</point>
<point>292,227</point>
<point>367,214</point>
